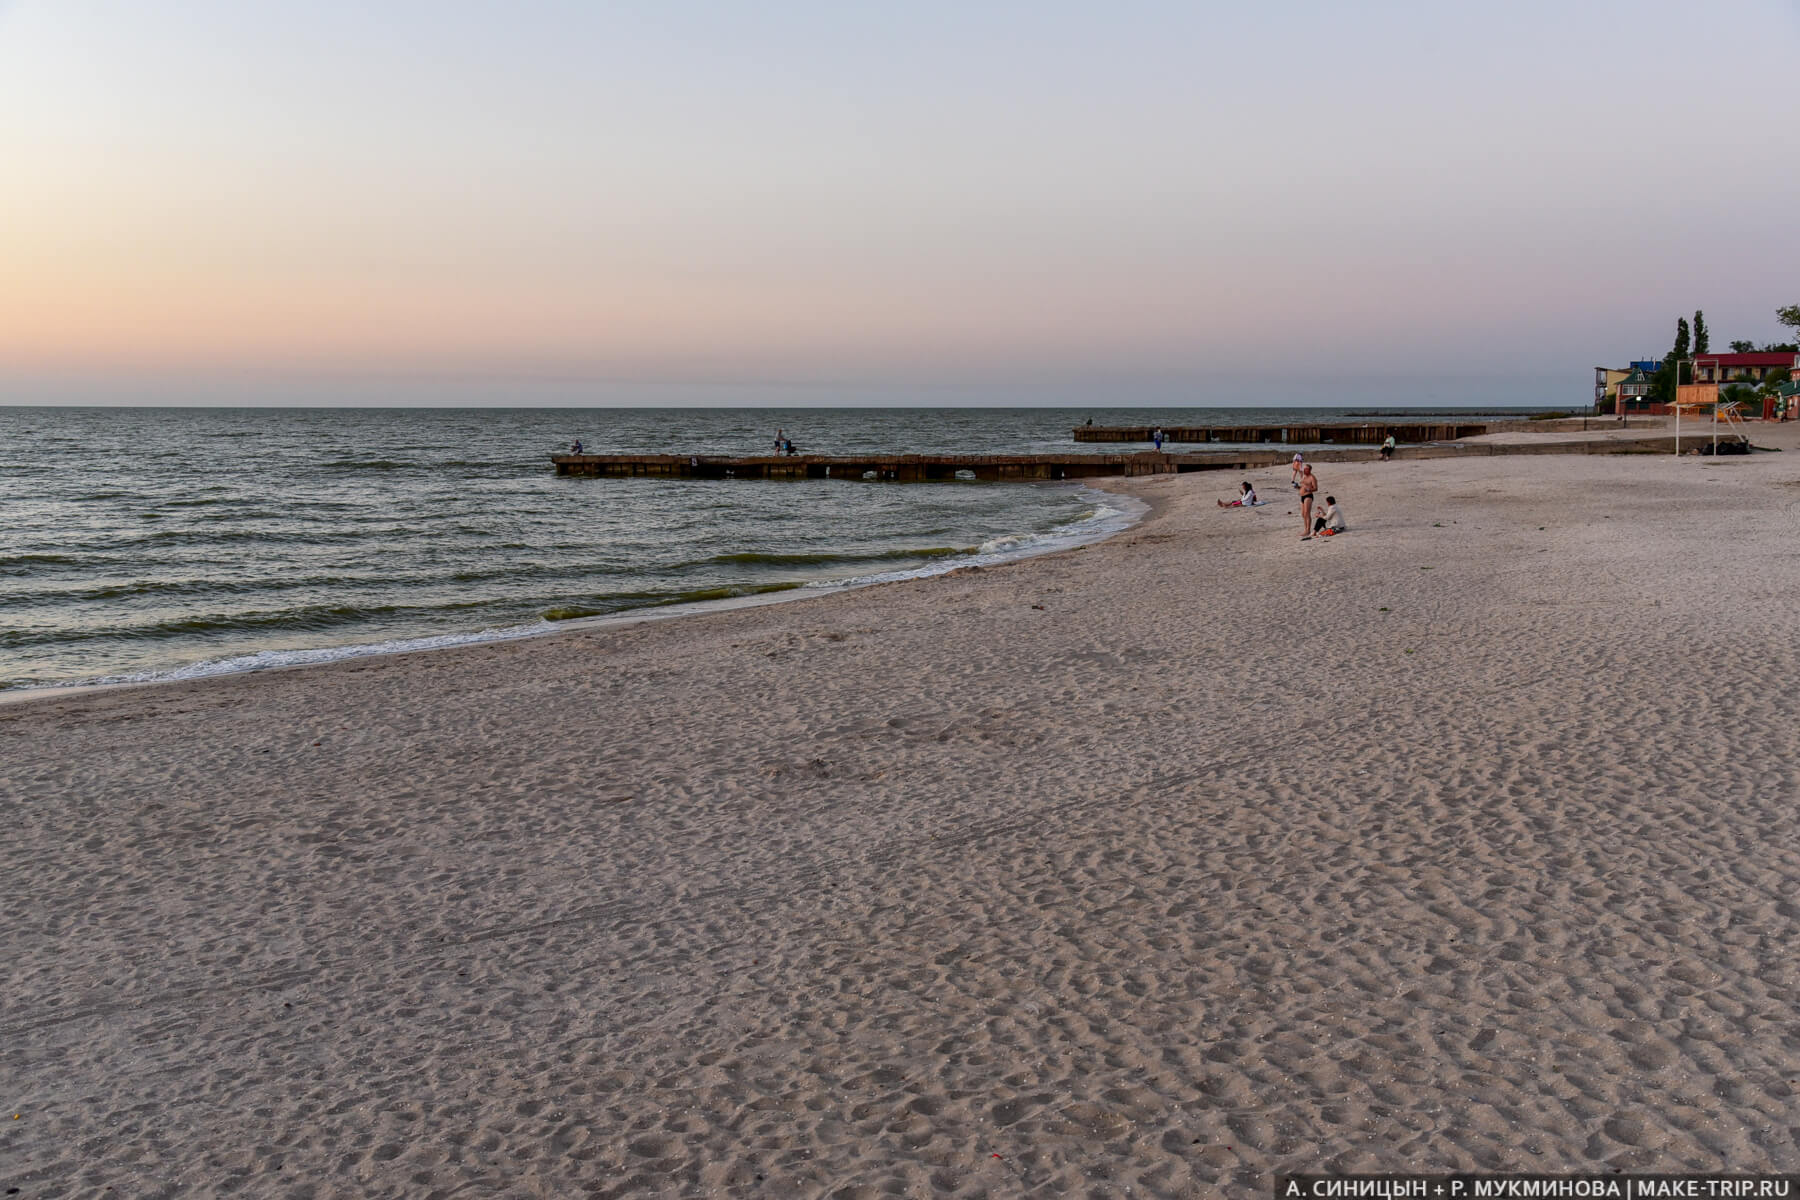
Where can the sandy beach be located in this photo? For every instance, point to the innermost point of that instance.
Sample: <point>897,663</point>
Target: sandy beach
<point>1465,841</point>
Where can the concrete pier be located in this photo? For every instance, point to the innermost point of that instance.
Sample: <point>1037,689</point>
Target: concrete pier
<point>899,468</point>
<point>1032,468</point>
<point>1362,434</point>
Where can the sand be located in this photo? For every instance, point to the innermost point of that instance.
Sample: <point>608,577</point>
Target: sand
<point>1466,841</point>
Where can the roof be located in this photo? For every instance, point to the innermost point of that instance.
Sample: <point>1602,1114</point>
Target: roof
<point>1761,358</point>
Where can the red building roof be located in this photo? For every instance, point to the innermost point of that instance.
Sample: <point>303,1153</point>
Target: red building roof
<point>1761,358</point>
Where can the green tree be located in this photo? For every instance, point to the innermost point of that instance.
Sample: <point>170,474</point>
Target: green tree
<point>1663,390</point>
<point>1739,393</point>
<point>1790,316</point>
<point>1700,341</point>
<point>1742,347</point>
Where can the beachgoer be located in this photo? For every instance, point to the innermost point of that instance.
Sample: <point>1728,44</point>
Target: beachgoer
<point>1309,487</point>
<point>779,441</point>
<point>788,447</point>
<point>576,448</point>
<point>1156,436</point>
<point>1387,448</point>
<point>1330,523</point>
<point>1246,497</point>
<point>1090,420</point>
<point>1294,471</point>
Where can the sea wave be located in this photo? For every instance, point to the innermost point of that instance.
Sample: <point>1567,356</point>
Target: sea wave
<point>26,560</point>
<point>629,602</point>
<point>1105,515</point>
<point>176,589</point>
<point>1110,514</point>
<point>301,619</point>
<point>263,660</point>
<point>367,464</point>
<point>823,558</point>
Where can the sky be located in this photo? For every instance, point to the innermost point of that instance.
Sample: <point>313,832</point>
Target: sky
<point>776,200</point>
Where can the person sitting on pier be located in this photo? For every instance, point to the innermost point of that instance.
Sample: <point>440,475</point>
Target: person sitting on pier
<point>1246,498</point>
<point>576,448</point>
<point>1330,523</point>
<point>787,447</point>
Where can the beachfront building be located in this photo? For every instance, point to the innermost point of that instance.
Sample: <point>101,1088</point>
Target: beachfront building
<point>1784,405</point>
<point>1608,379</point>
<point>1741,368</point>
<point>1635,394</point>
<point>1606,384</point>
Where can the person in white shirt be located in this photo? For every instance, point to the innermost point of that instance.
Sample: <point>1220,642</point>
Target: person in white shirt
<point>1295,472</point>
<point>1246,497</point>
<point>1330,522</point>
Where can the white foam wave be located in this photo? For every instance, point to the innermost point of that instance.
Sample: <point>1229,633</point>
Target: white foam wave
<point>264,660</point>
<point>1110,514</point>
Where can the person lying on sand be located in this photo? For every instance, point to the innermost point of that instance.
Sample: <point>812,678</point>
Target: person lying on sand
<point>1246,498</point>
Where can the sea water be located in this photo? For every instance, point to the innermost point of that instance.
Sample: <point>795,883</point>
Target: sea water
<point>140,543</point>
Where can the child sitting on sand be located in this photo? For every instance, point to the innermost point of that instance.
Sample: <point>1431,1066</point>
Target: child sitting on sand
<point>1330,522</point>
<point>1245,499</point>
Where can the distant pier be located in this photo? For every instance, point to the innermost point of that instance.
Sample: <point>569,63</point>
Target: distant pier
<point>1035,468</point>
<point>898,468</point>
<point>1361,434</point>
<point>1358,433</point>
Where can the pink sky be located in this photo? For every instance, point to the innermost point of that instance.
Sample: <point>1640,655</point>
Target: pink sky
<point>693,191</point>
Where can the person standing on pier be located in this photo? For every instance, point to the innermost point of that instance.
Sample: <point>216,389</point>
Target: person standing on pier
<point>1309,487</point>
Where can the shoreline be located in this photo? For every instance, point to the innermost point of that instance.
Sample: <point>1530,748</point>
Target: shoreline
<point>359,651</point>
<point>1192,857</point>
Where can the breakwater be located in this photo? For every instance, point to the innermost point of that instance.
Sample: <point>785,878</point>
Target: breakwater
<point>1035,468</point>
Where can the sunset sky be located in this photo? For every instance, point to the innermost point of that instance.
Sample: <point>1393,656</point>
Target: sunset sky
<point>718,202</point>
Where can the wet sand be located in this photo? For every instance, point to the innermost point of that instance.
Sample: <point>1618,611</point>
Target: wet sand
<point>1466,841</point>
